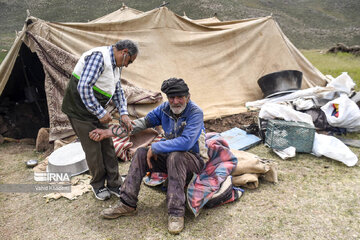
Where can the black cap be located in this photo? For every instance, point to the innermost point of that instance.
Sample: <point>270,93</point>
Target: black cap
<point>173,87</point>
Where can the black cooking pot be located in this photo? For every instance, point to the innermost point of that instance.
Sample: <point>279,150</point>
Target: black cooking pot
<point>282,82</point>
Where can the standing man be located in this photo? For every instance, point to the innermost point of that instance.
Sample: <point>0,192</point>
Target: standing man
<point>180,155</point>
<point>94,82</point>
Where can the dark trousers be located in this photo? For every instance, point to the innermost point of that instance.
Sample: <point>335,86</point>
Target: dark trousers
<point>100,156</point>
<point>178,165</point>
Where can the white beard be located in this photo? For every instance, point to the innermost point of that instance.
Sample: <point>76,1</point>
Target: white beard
<point>177,110</point>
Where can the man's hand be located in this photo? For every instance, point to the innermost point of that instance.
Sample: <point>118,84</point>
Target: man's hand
<point>99,134</point>
<point>105,119</point>
<point>127,121</point>
<point>150,155</point>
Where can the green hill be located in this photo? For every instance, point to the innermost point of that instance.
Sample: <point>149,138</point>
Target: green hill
<point>308,23</point>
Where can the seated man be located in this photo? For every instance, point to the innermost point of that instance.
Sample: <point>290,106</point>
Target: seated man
<point>180,155</point>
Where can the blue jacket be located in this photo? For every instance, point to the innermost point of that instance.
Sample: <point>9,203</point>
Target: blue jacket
<point>187,133</point>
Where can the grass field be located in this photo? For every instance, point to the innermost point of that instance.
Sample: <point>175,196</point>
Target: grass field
<point>2,56</point>
<point>335,64</point>
<point>316,198</point>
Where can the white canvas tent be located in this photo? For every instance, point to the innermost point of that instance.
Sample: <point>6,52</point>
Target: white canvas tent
<point>203,21</point>
<point>124,13</point>
<point>220,61</point>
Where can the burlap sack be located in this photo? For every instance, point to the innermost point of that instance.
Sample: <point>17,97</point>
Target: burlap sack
<point>248,163</point>
<point>248,180</point>
<point>271,175</point>
<point>250,167</point>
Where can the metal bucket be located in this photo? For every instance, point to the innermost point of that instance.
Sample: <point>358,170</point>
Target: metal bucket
<point>68,159</point>
<point>282,82</point>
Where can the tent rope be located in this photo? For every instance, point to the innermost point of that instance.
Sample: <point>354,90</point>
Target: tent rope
<point>121,130</point>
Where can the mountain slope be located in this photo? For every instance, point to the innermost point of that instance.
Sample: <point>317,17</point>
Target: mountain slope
<point>308,23</point>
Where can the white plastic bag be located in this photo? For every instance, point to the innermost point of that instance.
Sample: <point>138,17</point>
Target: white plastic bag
<point>303,104</point>
<point>333,148</point>
<point>343,83</point>
<point>348,113</point>
<point>274,110</point>
<point>286,153</point>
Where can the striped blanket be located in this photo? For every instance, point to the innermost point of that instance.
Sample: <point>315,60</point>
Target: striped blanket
<point>220,165</point>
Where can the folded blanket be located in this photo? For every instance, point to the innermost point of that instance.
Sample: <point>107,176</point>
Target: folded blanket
<point>220,165</point>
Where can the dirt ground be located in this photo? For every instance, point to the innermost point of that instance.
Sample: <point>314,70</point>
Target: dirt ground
<point>316,198</point>
<point>239,120</point>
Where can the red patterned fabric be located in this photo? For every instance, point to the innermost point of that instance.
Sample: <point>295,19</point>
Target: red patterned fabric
<point>122,145</point>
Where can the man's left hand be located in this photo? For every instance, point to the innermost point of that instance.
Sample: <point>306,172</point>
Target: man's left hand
<point>127,121</point>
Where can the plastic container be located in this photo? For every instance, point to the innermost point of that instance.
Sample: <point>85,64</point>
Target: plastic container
<point>282,134</point>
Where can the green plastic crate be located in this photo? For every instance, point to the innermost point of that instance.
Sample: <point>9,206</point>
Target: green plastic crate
<point>282,134</point>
